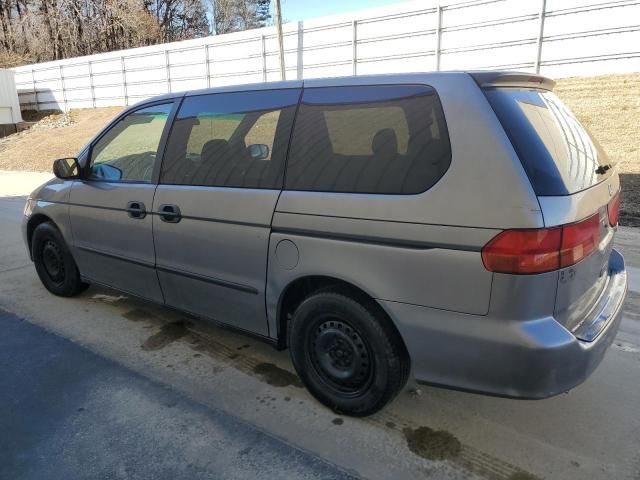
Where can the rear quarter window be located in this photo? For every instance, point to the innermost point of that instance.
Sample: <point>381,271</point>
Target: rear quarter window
<point>388,139</point>
<point>557,152</point>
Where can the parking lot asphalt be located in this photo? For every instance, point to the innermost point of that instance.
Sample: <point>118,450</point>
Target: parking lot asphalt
<point>591,432</point>
<point>67,413</point>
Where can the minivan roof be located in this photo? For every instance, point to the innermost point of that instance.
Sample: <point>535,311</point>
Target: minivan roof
<point>483,78</point>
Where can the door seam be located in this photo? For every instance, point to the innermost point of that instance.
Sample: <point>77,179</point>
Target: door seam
<point>153,240</point>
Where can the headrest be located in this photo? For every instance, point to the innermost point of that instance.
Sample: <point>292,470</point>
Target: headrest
<point>385,142</point>
<point>214,148</point>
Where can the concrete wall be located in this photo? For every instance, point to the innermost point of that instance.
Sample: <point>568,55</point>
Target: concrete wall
<point>559,38</point>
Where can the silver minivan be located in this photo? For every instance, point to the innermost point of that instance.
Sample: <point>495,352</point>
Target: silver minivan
<point>454,226</point>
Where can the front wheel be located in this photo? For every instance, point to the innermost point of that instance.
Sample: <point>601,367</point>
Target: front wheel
<point>55,265</point>
<point>347,353</point>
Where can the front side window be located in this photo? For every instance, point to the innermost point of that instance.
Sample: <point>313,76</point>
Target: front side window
<point>127,152</point>
<point>368,139</point>
<point>231,139</point>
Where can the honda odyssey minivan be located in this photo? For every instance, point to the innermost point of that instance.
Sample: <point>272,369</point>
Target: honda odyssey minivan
<point>455,226</point>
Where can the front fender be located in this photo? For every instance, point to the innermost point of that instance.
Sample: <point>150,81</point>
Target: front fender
<point>49,202</point>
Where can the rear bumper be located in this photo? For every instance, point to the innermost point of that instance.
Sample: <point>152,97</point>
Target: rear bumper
<point>532,359</point>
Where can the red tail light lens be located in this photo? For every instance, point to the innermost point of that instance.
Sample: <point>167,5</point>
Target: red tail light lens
<point>613,209</point>
<point>523,251</point>
<point>541,250</point>
<point>579,240</point>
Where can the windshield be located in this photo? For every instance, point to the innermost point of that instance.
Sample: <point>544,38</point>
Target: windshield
<point>558,154</point>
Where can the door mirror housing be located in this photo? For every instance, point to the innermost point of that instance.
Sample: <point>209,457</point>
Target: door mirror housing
<point>258,151</point>
<point>66,168</point>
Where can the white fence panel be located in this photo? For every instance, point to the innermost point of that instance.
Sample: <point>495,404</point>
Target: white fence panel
<point>559,38</point>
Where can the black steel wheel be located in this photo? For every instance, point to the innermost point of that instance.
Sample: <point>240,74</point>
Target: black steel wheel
<point>340,356</point>
<point>347,352</point>
<point>53,261</point>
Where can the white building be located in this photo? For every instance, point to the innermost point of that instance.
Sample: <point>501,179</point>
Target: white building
<point>9,105</point>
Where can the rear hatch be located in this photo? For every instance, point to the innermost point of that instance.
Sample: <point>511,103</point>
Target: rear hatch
<point>576,185</point>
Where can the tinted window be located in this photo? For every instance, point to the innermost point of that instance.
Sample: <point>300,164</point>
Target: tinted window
<point>380,139</point>
<point>231,139</point>
<point>127,152</point>
<point>557,152</point>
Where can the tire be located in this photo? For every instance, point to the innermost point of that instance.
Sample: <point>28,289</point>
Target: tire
<point>56,267</point>
<point>347,353</point>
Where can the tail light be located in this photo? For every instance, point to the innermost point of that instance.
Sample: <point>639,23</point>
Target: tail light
<point>523,251</point>
<point>579,240</point>
<point>613,209</point>
<point>541,250</point>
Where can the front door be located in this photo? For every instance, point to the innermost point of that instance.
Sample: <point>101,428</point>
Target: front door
<point>110,208</point>
<point>221,177</point>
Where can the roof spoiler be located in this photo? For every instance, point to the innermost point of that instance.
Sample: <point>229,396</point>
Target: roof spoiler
<point>512,79</point>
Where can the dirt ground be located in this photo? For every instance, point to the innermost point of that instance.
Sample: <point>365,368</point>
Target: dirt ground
<point>609,106</point>
<point>54,135</point>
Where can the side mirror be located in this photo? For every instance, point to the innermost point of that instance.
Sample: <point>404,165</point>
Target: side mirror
<point>66,168</point>
<point>258,151</point>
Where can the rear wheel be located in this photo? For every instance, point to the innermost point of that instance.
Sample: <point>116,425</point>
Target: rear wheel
<point>55,265</point>
<point>347,353</point>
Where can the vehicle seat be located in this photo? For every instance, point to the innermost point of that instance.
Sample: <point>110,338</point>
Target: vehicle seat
<point>429,158</point>
<point>385,144</point>
<point>384,159</point>
<point>215,166</point>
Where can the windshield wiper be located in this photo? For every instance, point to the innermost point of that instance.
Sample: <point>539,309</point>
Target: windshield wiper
<point>602,169</point>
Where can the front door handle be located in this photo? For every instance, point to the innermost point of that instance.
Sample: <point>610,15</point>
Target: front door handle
<point>170,213</point>
<point>136,209</point>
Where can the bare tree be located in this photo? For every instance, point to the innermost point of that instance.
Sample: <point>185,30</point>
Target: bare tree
<point>235,15</point>
<point>223,13</point>
<point>40,30</point>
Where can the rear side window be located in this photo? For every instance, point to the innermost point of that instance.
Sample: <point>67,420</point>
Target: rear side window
<point>230,139</point>
<point>558,154</point>
<point>388,139</point>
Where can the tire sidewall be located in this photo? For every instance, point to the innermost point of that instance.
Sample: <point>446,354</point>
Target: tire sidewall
<point>365,323</point>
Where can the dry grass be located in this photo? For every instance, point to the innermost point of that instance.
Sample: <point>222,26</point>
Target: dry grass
<point>36,148</point>
<point>609,107</point>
